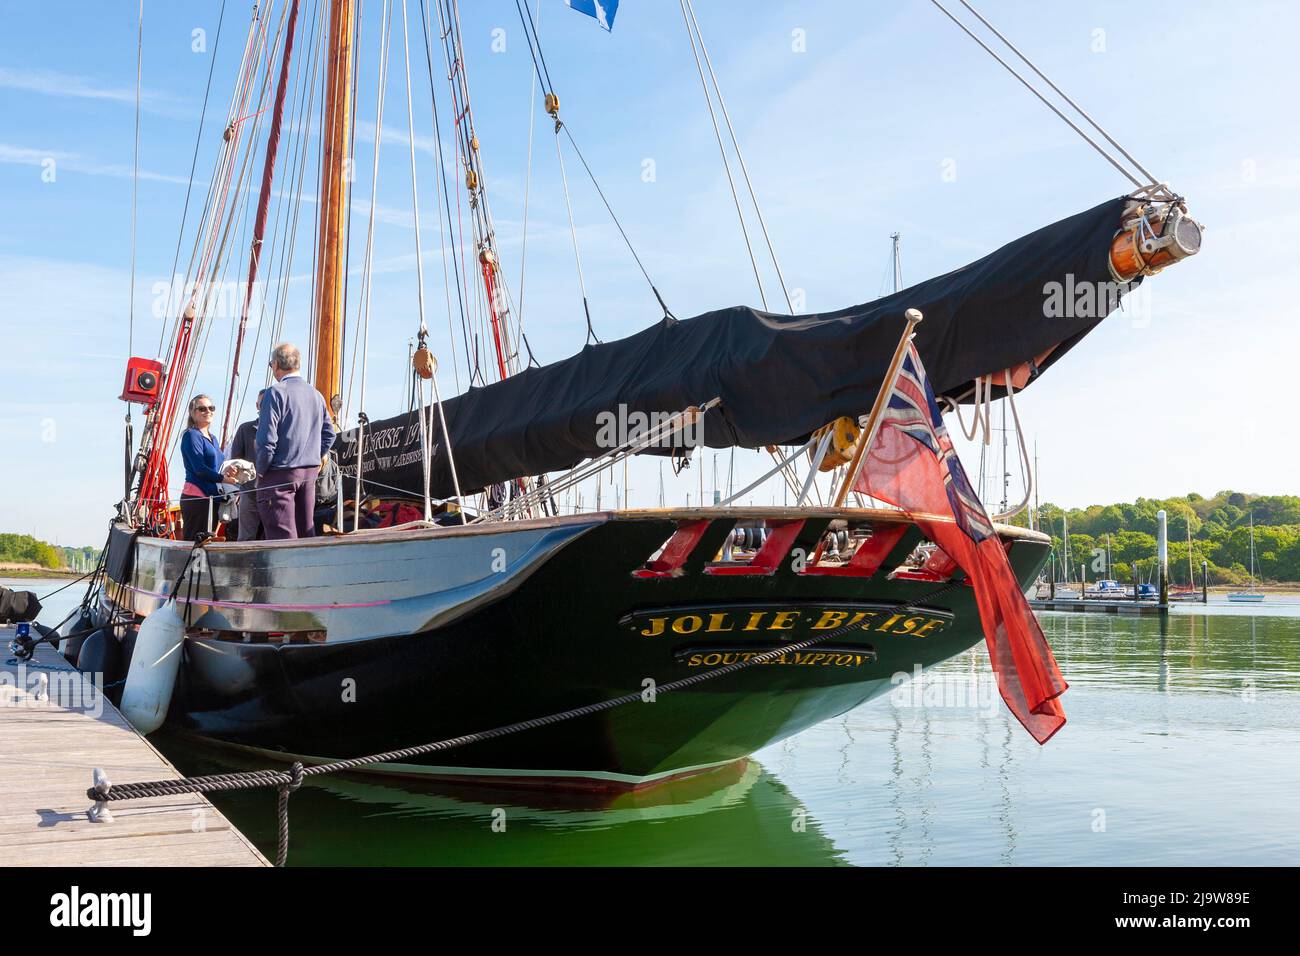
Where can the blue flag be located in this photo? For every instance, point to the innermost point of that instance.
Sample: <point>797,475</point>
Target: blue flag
<point>602,10</point>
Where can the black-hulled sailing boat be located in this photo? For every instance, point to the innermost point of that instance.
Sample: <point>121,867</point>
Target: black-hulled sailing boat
<point>369,639</point>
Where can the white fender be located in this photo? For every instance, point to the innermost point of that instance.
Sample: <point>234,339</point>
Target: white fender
<point>152,675</point>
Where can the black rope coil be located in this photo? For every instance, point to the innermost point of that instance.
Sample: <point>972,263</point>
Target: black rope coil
<point>286,782</point>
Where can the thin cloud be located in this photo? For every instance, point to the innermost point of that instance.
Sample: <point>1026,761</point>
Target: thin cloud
<point>74,162</point>
<point>70,85</point>
<point>394,136</point>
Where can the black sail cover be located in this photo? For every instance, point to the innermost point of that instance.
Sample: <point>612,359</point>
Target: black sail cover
<point>779,377</point>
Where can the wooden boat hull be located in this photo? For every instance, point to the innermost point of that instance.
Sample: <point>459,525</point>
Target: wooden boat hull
<point>574,613</point>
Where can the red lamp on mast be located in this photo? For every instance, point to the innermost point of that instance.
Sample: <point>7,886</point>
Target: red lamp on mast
<point>144,379</point>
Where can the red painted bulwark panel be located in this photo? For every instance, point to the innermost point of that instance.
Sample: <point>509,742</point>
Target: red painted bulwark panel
<point>676,551</point>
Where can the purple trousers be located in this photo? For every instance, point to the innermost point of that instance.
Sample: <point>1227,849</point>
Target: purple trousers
<point>286,502</point>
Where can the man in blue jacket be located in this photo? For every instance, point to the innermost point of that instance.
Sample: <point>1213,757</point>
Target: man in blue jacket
<point>294,433</point>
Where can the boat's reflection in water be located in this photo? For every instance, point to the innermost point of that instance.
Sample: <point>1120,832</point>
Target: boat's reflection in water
<point>735,815</point>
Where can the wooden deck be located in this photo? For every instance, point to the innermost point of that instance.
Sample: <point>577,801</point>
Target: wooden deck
<point>47,754</point>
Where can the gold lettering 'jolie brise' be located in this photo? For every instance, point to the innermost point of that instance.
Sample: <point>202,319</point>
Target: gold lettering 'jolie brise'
<point>764,621</point>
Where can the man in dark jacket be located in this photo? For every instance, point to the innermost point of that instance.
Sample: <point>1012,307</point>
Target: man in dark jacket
<point>294,433</point>
<point>244,445</point>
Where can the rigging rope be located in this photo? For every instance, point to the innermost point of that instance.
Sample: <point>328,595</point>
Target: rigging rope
<point>610,210</point>
<point>542,74</point>
<point>1061,93</point>
<point>235,219</point>
<point>983,387</point>
<point>441,203</point>
<point>1046,102</point>
<point>982,425</point>
<point>445,193</point>
<point>722,150</point>
<point>1024,452</point>
<point>528,181</point>
<point>198,138</point>
<point>367,276</point>
<point>135,184</point>
<point>425,451</point>
<point>301,124</point>
<point>218,186</point>
<point>263,203</point>
<point>573,232</point>
<point>415,195</point>
<point>735,143</point>
<point>494,306</point>
<point>531,29</point>
<point>189,320</point>
<point>446,441</point>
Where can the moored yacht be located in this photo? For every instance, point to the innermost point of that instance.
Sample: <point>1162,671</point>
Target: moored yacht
<point>490,605</point>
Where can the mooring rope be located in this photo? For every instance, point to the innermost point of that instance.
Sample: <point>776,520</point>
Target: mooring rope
<point>43,597</point>
<point>286,782</point>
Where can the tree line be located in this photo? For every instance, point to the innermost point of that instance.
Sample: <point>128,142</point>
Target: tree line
<point>24,549</point>
<point>1220,536</point>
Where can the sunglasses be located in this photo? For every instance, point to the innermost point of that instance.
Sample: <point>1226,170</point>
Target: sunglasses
<point>205,408</point>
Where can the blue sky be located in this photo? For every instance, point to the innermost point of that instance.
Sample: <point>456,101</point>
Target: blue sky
<point>848,137</point>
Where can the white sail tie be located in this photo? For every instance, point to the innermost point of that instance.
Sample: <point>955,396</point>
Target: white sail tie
<point>983,392</point>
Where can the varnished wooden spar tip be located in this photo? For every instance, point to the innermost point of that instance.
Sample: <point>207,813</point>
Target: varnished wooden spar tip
<point>51,749</point>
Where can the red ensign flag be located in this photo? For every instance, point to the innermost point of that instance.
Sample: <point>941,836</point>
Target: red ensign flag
<point>911,464</point>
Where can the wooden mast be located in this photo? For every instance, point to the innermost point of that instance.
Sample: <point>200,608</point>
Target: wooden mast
<point>332,235</point>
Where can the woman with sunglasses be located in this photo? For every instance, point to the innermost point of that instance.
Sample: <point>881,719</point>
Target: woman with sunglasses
<point>203,469</point>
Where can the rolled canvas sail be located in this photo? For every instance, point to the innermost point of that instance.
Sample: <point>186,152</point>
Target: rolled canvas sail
<point>779,377</point>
